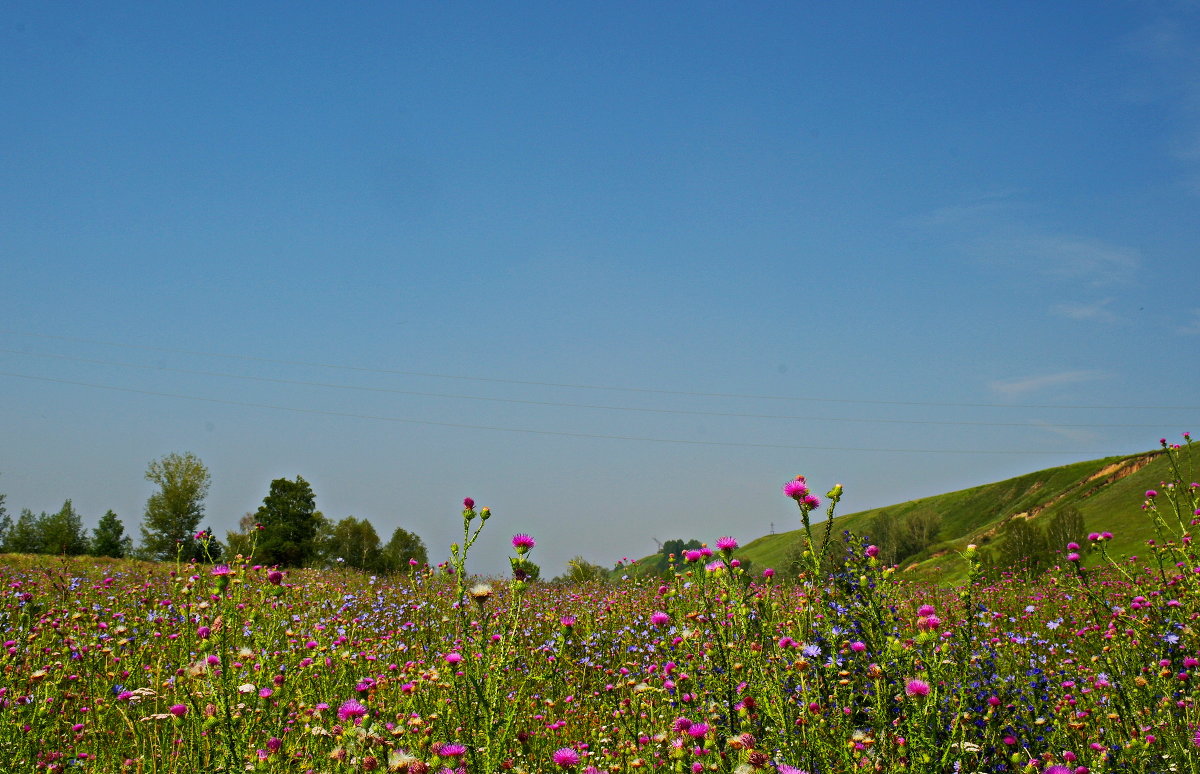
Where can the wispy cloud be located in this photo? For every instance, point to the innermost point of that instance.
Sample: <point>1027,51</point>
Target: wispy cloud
<point>1092,262</point>
<point>1096,311</point>
<point>1011,388</point>
<point>974,210</point>
<point>1191,326</point>
<point>1170,44</point>
<point>1000,231</point>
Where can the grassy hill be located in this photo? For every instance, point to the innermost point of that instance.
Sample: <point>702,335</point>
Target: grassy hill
<point>1108,493</point>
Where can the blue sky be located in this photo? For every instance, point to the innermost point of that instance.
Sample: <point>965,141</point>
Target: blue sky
<point>616,270</point>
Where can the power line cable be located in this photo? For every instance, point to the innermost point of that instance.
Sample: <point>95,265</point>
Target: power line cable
<point>528,431</point>
<point>559,404</point>
<point>744,396</point>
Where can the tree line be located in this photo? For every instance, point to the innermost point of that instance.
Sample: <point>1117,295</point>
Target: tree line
<point>287,529</point>
<point>1019,545</point>
<point>1030,548</point>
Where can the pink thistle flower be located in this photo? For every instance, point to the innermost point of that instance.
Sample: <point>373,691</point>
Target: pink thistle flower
<point>523,543</point>
<point>768,573</point>
<point>449,750</point>
<point>468,504</point>
<point>659,618</point>
<point>275,577</point>
<point>692,556</point>
<point>871,551</point>
<point>565,757</point>
<point>453,658</point>
<point>351,710</point>
<point>222,569</point>
<point>178,710</point>
<point>915,688</point>
<point>925,610</point>
<point>928,623</point>
<point>726,544</point>
<point>697,730</point>
<point>811,501</point>
<point>796,488</point>
<point>681,724</point>
<point>1150,493</point>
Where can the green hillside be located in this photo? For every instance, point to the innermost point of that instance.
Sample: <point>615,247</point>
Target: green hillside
<point>1108,493</point>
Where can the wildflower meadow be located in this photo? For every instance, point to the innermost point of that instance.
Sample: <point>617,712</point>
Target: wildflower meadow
<point>1093,666</point>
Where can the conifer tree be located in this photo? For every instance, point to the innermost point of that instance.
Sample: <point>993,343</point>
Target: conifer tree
<point>288,517</point>
<point>109,538</point>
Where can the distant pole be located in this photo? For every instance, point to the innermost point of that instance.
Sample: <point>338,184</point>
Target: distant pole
<point>772,528</point>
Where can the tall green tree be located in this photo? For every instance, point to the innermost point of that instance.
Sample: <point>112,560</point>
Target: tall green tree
<point>63,533</point>
<point>174,512</point>
<point>920,531</point>
<point>1024,546</point>
<point>403,548</point>
<point>884,532</point>
<point>899,538</point>
<point>5,521</point>
<point>288,517</point>
<point>109,538</point>
<point>1064,527</point>
<point>678,545</point>
<point>323,555</point>
<point>580,570</point>
<point>356,543</point>
<point>25,535</point>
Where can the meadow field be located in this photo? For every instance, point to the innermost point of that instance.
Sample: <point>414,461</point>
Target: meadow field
<point>1090,667</point>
